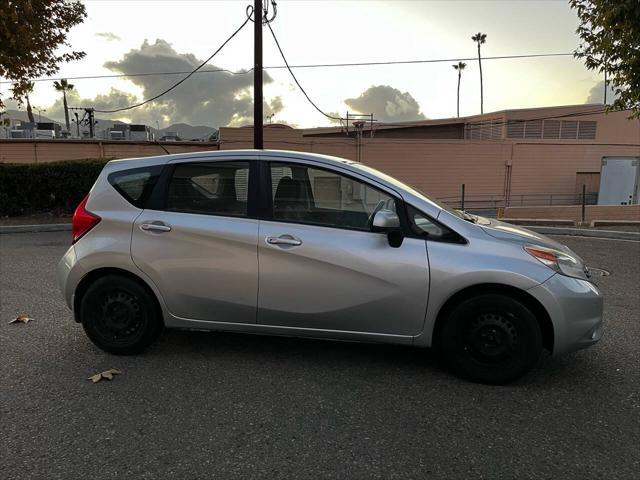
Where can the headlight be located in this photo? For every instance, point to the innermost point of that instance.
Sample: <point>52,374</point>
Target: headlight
<point>559,261</point>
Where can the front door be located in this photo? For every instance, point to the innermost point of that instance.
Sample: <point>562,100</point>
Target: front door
<point>321,267</point>
<point>200,247</point>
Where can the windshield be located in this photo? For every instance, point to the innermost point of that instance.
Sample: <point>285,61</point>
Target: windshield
<point>404,186</point>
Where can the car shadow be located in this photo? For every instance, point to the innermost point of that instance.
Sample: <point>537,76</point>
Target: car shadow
<point>259,351</point>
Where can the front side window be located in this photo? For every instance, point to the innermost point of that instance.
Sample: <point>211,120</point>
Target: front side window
<point>218,188</point>
<point>322,197</point>
<point>423,226</point>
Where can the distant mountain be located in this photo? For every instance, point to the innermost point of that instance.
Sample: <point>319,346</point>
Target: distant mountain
<point>189,132</point>
<point>21,115</point>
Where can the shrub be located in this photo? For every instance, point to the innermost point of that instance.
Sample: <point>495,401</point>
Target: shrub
<point>46,187</point>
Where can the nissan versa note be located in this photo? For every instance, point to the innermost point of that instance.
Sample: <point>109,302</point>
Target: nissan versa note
<point>300,244</point>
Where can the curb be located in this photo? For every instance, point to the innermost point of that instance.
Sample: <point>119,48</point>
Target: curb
<point>48,227</point>
<point>583,232</point>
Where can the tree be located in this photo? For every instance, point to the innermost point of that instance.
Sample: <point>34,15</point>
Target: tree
<point>610,35</point>
<point>459,67</point>
<point>28,88</point>
<point>31,35</point>
<point>480,38</point>
<point>64,86</point>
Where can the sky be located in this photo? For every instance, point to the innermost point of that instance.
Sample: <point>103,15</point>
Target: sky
<point>136,36</point>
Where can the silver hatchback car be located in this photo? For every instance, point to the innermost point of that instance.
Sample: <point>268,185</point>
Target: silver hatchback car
<point>299,244</point>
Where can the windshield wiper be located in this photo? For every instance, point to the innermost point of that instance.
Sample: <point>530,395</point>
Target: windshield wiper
<point>468,217</point>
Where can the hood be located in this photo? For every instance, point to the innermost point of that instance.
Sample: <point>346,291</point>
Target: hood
<point>514,233</point>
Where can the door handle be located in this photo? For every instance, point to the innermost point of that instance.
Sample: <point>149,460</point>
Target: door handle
<point>155,227</point>
<point>284,240</point>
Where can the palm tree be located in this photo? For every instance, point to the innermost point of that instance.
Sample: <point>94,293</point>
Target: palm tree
<point>480,38</point>
<point>64,86</point>
<point>29,88</point>
<point>459,67</point>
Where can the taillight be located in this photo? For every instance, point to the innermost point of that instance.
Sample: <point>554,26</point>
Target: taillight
<point>83,221</point>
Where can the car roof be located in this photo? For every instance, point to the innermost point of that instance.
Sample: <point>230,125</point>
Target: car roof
<point>215,154</point>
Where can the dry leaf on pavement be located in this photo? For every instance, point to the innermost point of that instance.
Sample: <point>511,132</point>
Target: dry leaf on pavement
<point>21,319</point>
<point>108,374</point>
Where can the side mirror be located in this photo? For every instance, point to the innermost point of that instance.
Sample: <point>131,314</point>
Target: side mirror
<point>388,221</point>
<point>385,220</point>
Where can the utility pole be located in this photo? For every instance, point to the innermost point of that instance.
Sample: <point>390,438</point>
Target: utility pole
<point>91,122</point>
<point>257,76</point>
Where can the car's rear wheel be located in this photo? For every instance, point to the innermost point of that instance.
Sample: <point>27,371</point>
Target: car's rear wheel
<point>491,338</point>
<point>119,315</point>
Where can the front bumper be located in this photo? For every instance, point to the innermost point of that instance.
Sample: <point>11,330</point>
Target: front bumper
<point>575,307</point>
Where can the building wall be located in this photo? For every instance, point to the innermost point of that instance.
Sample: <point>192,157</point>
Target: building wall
<point>543,167</point>
<point>36,151</point>
<point>488,168</point>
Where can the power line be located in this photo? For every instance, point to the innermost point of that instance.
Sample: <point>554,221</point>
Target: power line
<point>181,80</point>
<point>296,80</point>
<point>310,65</point>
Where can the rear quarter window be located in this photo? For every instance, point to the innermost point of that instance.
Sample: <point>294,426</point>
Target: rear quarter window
<point>136,184</point>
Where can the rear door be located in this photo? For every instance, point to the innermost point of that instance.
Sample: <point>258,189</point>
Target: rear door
<point>321,267</point>
<point>199,242</point>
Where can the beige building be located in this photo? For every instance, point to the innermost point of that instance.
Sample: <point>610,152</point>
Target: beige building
<point>536,156</point>
<point>540,156</point>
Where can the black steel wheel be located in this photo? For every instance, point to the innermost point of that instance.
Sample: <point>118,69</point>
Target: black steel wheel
<point>119,315</point>
<point>491,338</point>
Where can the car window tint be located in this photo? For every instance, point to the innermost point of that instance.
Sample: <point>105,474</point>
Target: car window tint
<point>322,197</point>
<point>136,184</point>
<point>211,188</point>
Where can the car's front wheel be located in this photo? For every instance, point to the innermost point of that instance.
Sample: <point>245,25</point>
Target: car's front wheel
<point>119,315</point>
<point>491,338</point>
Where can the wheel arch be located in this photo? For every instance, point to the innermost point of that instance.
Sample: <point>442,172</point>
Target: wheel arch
<point>540,312</point>
<point>94,275</point>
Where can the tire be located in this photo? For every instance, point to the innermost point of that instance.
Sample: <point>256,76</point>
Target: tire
<point>491,338</point>
<point>120,316</point>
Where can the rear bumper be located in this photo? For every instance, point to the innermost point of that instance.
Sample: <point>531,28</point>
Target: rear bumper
<point>575,307</point>
<point>63,273</point>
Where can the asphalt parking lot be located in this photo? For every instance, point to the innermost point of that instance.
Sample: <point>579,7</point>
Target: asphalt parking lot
<point>211,405</point>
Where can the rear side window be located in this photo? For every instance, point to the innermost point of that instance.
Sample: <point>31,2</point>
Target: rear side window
<point>218,188</point>
<point>136,185</point>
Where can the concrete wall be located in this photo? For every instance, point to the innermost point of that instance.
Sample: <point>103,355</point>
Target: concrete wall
<point>574,212</point>
<point>489,168</point>
<point>497,168</point>
<point>36,151</point>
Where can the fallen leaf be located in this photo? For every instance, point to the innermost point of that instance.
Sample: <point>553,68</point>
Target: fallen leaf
<point>108,374</point>
<point>21,319</point>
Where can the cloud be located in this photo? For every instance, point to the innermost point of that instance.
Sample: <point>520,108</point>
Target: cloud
<point>108,36</point>
<point>596,94</point>
<point>215,99</point>
<point>388,104</point>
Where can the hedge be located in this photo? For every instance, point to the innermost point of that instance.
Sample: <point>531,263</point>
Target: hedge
<point>56,187</point>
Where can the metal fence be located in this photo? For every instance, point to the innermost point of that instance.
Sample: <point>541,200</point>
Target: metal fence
<point>490,203</point>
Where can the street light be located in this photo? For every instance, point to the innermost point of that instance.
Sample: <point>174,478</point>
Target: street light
<point>39,110</point>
